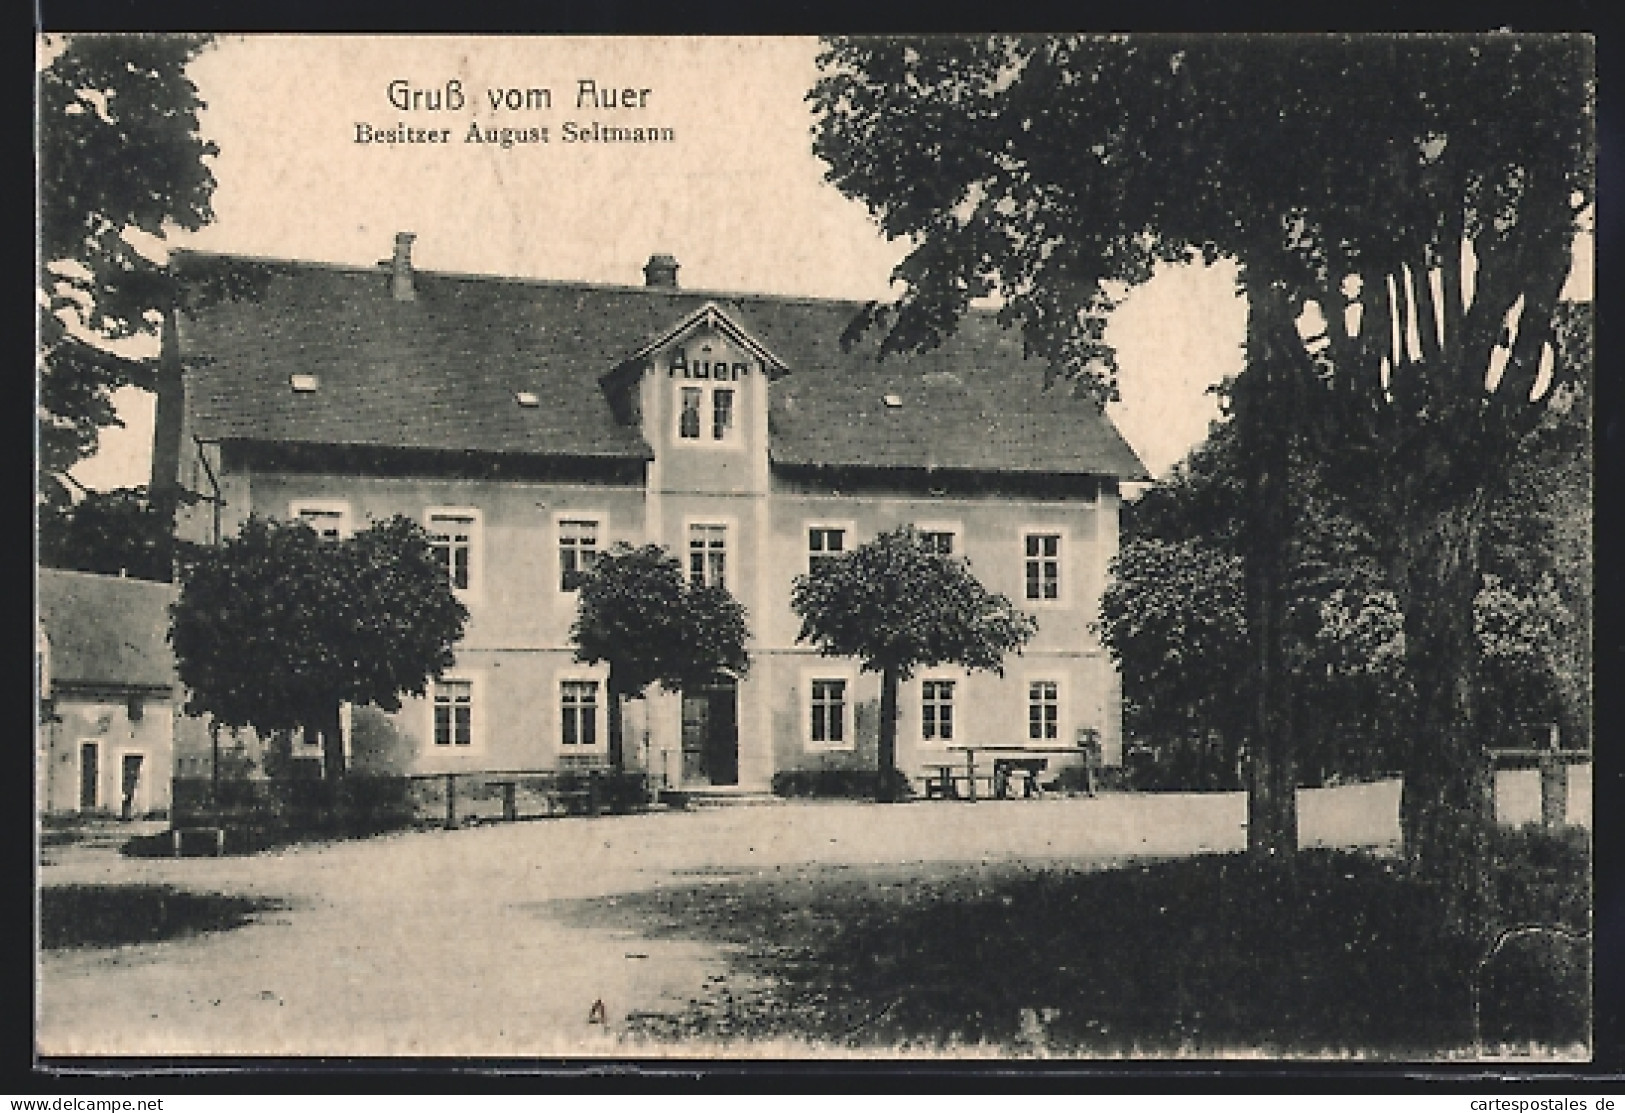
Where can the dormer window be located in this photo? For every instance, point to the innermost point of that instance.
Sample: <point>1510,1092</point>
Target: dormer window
<point>706,375</point>
<point>688,417</point>
<point>526,399</point>
<point>706,413</point>
<point>722,413</point>
<point>302,384</point>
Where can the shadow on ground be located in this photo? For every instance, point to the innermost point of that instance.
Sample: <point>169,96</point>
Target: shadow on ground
<point>117,915</point>
<point>1212,955</point>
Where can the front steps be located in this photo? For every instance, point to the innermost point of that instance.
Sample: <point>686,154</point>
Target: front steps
<point>718,796</point>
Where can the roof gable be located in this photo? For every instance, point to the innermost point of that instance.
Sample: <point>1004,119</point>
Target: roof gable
<point>106,631</point>
<point>709,316</point>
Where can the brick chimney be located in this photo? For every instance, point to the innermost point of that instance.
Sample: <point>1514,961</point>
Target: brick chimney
<point>660,270</point>
<point>400,284</point>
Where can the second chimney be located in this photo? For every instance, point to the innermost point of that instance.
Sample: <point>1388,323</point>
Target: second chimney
<point>660,270</point>
<point>401,284</point>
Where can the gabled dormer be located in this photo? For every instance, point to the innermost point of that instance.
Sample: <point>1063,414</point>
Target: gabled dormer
<point>698,394</point>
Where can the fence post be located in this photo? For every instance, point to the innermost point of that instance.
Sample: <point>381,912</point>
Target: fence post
<point>510,802</point>
<point>451,801</point>
<point>1554,783</point>
<point>594,795</point>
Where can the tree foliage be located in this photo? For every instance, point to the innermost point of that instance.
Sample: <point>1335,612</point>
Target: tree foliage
<point>120,532</point>
<point>1174,619</point>
<point>896,607</point>
<point>121,163</point>
<point>637,612</point>
<point>1054,171</point>
<point>276,627</point>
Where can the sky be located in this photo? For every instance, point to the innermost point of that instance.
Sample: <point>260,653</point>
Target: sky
<point>738,197</point>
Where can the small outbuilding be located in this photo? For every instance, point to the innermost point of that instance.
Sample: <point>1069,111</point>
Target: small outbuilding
<point>108,695</point>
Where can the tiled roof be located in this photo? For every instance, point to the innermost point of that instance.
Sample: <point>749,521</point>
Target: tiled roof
<point>441,372</point>
<point>106,631</point>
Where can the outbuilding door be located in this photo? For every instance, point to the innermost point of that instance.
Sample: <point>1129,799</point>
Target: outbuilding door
<point>129,782</point>
<point>90,776</point>
<point>711,735</point>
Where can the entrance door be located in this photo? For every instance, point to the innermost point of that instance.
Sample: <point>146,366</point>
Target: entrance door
<point>90,776</point>
<point>711,735</point>
<point>129,781</point>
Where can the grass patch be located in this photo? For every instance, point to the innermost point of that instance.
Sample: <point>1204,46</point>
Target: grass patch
<point>118,915</point>
<point>1345,955</point>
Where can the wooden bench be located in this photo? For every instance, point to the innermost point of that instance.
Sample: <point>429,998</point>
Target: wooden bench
<point>510,798</point>
<point>943,784</point>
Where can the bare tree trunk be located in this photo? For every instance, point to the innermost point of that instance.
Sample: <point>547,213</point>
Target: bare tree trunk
<point>1264,421</point>
<point>886,786</point>
<point>617,728</point>
<point>1445,804</point>
<point>330,727</point>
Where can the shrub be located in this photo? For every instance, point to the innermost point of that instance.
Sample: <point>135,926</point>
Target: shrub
<point>257,815</point>
<point>837,783</point>
<point>1540,875</point>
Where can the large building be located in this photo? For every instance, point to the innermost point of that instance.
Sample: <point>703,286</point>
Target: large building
<point>532,424</point>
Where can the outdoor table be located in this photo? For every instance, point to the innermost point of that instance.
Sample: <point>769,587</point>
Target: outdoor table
<point>1019,757</point>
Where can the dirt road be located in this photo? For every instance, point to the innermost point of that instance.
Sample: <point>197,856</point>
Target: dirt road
<point>442,942</point>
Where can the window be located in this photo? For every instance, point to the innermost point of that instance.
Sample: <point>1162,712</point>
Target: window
<point>454,537</point>
<point>722,413</point>
<point>578,709</point>
<point>714,403</point>
<point>824,542</point>
<point>937,710</point>
<point>330,519</point>
<point>707,554</point>
<point>578,550</point>
<point>1043,565</point>
<point>688,419</point>
<point>828,725</point>
<point>453,713</point>
<point>941,538</point>
<point>1043,711</point>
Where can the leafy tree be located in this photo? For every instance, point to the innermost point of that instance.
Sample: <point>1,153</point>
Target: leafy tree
<point>121,163</point>
<point>1174,620</point>
<point>637,612</point>
<point>1415,196</point>
<point>897,606</point>
<point>119,532</point>
<point>276,627</point>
